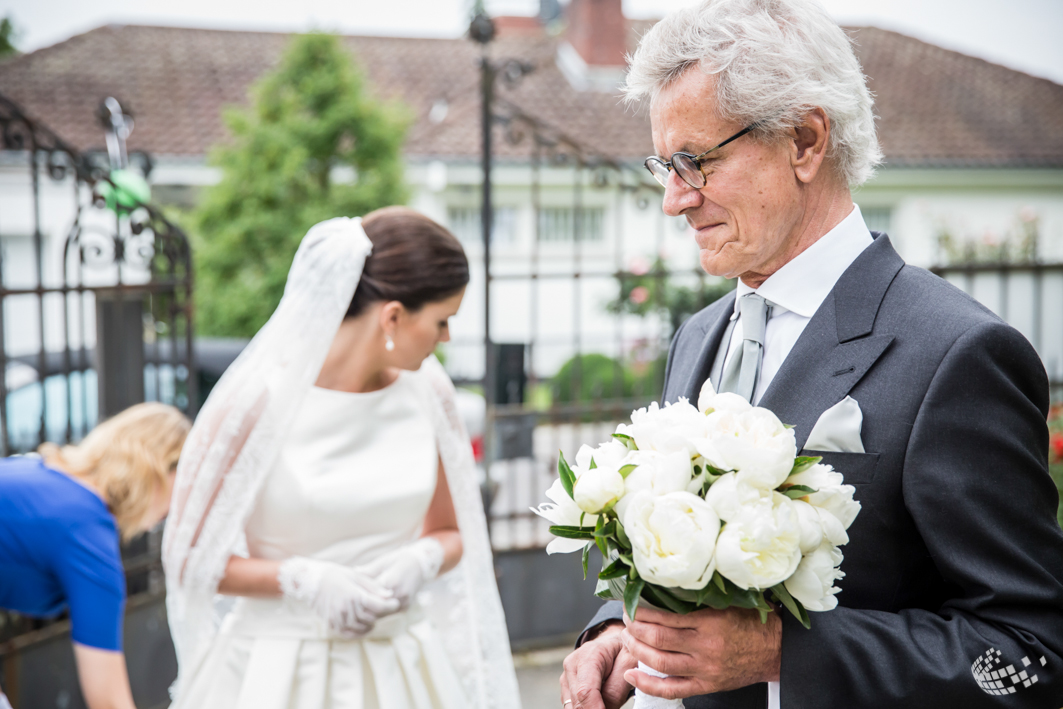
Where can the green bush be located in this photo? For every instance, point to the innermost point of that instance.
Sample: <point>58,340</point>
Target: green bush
<point>594,377</point>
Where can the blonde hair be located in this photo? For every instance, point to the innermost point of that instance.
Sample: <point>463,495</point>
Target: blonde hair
<point>126,458</point>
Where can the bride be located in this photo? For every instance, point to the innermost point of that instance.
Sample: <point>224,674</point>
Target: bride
<point>326,484</point>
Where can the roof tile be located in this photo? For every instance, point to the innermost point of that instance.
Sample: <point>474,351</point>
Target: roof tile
<point>936,108</point>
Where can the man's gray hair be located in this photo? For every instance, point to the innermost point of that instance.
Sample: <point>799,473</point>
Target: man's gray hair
<point>773,61</point>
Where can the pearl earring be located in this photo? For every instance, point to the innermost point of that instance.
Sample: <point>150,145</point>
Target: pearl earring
<point>389,344</point>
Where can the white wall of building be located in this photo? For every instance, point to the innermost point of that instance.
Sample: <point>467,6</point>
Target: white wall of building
<point>563,313</point>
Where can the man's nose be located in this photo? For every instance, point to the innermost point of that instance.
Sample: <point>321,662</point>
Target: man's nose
<point>679,196</point>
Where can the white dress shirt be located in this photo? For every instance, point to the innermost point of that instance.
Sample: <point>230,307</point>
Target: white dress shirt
<point>797,290</point>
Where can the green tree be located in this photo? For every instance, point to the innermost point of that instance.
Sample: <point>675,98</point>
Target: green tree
<point>314,144</point>
<point>8,36</point>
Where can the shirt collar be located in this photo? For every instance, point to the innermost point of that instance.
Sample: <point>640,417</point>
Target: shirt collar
<point>803,284</point>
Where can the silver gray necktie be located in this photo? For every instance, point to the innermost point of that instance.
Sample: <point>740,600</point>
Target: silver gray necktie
<point>743,370</point>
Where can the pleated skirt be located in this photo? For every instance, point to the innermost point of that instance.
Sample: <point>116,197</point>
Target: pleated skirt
<point>270,655</point>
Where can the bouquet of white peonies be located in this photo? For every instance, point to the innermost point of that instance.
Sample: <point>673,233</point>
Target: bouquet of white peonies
<point>706,507</point>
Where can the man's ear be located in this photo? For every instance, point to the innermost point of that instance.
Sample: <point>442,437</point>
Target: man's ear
<point>808,149</point>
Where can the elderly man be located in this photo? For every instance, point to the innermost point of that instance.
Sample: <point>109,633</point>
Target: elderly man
<point>935,408</point>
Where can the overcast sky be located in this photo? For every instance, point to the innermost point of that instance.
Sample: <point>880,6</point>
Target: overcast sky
<point>1022,34</point>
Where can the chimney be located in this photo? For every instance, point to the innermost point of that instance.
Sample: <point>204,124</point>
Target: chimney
<point>597,30</point>
<point>591,54</point>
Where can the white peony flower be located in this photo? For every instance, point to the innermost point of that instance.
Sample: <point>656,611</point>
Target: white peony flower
<point>709,400</point>
<point>760,546</point>
<point>813,581</point>
<point>670,429</point>
<point>610,454</point>
<point>754,443</point>
<point>808,518</point>
<point>672,538</point>
<point>563,511</point>
<point>832,496</point>
<point>657,473</point>
<point>727,495</point>
<point>597,489</point>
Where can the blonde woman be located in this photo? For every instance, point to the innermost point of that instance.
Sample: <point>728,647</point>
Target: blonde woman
<point>61,515</point>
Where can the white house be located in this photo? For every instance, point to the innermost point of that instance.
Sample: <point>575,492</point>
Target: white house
<point>974,164</point>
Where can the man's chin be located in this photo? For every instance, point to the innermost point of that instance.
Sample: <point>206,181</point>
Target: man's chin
<point>714,265</point>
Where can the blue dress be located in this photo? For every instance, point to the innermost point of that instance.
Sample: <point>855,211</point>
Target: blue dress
<point>58,549</point>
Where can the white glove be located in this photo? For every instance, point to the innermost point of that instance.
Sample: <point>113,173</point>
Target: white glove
<point>349,600</point>
<point>407,569</point>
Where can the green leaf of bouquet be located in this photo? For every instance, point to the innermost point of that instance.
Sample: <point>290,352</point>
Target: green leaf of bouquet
<point>714,597</point>
<point>599,537</point>
<point>791,604</point>
<point>615,570</point>
<point>606,530</point>
<point>796,492</point>
<point>621,535</point>
<point>586,559</point>
<point>743,597</point>
<point>603,546</point>
<point>662,598</point>
<point>625,470</point>
<point>568,478</point>
<point>717,578</point>
<point>788,425</point>
<point>804,462</point>
<point>631,596</point>
<point>566,531</point>
<point>605,594</point>
<point>593,464</point>
<point>626,440</point>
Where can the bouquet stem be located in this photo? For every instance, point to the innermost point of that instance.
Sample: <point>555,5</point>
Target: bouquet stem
<point>648,701</point>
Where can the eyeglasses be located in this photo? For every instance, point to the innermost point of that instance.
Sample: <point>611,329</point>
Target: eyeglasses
<point>686,165</point>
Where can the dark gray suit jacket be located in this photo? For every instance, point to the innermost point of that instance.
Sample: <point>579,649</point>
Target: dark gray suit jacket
<point>956,549</point>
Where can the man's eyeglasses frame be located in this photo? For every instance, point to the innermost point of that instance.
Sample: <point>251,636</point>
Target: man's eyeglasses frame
<point>686,165</point>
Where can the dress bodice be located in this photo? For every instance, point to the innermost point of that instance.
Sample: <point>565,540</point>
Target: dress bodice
<point>354,477</point>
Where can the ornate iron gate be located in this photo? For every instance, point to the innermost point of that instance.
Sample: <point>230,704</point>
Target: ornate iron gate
<point>95,315</point>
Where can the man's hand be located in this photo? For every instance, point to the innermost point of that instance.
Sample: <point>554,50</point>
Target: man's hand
<point>706,651</point>
<point>594,672</point>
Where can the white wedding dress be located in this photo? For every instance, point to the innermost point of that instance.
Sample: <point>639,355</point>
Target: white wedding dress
<point>353,480</point>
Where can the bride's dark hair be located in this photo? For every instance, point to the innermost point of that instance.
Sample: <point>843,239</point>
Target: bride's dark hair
<point>414,261</point>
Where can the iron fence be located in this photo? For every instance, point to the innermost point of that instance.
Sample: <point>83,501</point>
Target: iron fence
<point>578,306</point>
<point>1028,296</point>
<point>95,315</point>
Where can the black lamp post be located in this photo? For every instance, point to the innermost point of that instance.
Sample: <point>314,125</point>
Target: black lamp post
<point>482,31</point>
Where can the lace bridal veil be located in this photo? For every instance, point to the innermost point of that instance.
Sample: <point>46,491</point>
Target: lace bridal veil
<point>238,435</point>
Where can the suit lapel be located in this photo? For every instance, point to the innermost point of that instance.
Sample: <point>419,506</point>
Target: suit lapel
<point>835,349</point>
<point>710,344</point>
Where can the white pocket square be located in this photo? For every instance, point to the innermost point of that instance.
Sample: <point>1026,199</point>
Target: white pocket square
<point>838,429</point>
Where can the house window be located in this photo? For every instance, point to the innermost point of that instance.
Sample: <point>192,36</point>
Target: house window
<point>877,218</point>
<point>558,224</point>
<point>465,223</point>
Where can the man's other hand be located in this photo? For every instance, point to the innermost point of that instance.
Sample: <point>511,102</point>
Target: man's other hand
<point>705,651</point>
<point>594,672</point>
